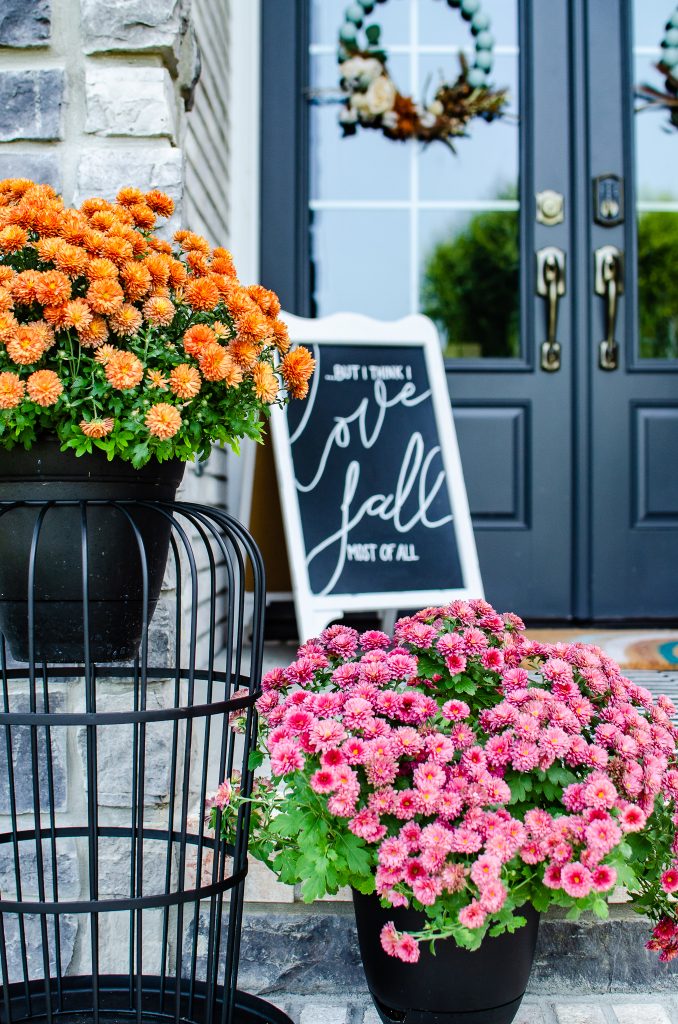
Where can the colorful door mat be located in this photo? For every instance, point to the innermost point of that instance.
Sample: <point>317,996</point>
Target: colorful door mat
<point>651,649</point>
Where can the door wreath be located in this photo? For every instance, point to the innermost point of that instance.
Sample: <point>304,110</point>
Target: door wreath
<point>372,99</point>
<point>668,67</point>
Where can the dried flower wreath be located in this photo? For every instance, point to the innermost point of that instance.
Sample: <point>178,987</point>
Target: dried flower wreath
<point>668,67</point>
<point>374,101</point>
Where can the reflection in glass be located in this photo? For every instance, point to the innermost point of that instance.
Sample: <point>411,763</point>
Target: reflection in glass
<point>658,285</point>
<point>470,287</point>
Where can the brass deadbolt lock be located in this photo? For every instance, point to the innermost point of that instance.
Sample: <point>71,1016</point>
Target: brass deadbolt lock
<point>550,207</point>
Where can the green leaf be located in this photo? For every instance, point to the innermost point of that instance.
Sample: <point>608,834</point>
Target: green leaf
<point>365,885</point>
<point>255,760</point>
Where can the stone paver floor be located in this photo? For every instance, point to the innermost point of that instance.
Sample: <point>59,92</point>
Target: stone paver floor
<point>636,1008</point>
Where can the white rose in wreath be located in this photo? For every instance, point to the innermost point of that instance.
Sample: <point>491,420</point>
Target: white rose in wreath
<point>359,72</point>
<point>380,96</point>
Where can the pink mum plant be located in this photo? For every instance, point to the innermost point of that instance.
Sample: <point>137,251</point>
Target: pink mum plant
<point>466,771</point>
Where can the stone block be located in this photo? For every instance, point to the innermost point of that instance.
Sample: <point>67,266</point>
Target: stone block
<point>30,104</point>
<point>578,1013</point>
<point>115,754</point>
<point>35,945</point>
<point>104,171</point>
<point>529,1013</point>
<point>115,858</point>
<point>41,167</point>
<point>114,943</point>
<point>317,1013</point>
<point>129,100</point>
<point>22,761</point>
<point>25,22</point>
<point>108,25</point>
<point>641,1013</point>
<point>263,887</point>
<point>67,873</point>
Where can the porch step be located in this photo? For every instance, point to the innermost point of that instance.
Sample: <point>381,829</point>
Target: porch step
<point>294,950</point>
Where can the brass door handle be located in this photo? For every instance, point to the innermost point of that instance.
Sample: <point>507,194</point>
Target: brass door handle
<point>551,285</point>
<point>609,283</point>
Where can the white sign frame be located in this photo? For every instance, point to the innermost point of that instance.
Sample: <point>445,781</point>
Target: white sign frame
<point>314,612</point>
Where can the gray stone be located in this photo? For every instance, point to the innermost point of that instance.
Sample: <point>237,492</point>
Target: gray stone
<point>115,754</point>
<point>642,1013</point>
<point>529,1013</point>
<point>103,172</point>
<point>108,25</point>
<point>30,104</point>
<point>114,867</point>
<point>41,167</point>
<point>22,761</point>
<point>25,22</point>
<point>317,1013</point>
<point>129,100</point>
<point>34,939</point>
<point>578,1013</point>
<point>67,874</point>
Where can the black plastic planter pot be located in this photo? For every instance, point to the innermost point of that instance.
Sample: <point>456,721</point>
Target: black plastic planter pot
<point>64,535</point>
<point>452,987</point>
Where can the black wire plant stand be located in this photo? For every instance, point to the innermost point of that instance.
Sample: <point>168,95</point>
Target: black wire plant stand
<point>117,902</point>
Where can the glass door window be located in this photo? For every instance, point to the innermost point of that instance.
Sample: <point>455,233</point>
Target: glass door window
<point>399,228</point>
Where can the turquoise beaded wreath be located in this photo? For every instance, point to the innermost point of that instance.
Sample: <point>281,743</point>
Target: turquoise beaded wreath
<point>372,99</point>
<point>668,66</point>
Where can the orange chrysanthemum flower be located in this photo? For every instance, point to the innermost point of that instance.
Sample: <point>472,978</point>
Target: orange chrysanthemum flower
<point>159,311</point>
<point>12,390</point>
<point>8,326</point>
<point>7,274</point>
<point>177,274</point>
<point>202,294</point>
<point>159,202</point>
<point>185,381</point>
<point>215,362</point>
<point>159,245</point>
<point>266,383</point>
<point>126,321</point>
<point>77,314</point>
<point>157,379</point>
<point>222,330</point>
<point>267,301</point>
<point>137,280</point>
<point>198,263</point>
<point>237,299</point>
<point>95,335</point>
<point>105,353</point>
<point>48,247</point>
<point>143,215</point>
<point>73,227</point>
<point>23,287</point>
<point>53,288</point>
<point>6,303</point>
<point>297,367</point>
<point>128,196</point>
<point>189,241</point>
<point>28,344</point>
<point>13,238</point>
<point>105,296</point>
<point>44,387</point>
<point>163,420</point>
<point>280,336</point>
<point>72,259</point>
<point>197,338</point>
<point>56,315</point>
<point>222,263</point>
<point>244,353</point>
<point>116,249</point>
<point>101,268</point>
<point>124,370</point>
<point>90,206</point>
<point>158,266</point>
<point>254,326</point>
<point>97,428</point>
<point>103,220</point>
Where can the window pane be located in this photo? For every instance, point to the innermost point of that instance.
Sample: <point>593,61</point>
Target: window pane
<point>470,273</point>
<point>438,25</point>
<point>327,17</point>
<point>657,213</point>
<point>361,166</point>
<point>361,262</point>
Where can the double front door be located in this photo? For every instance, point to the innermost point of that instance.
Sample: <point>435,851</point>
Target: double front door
<point>546,250</point>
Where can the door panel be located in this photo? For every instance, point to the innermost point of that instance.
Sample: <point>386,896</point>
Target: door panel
<point>634,407</point>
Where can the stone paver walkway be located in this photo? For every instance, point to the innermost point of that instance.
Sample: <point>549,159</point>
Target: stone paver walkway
<point>638,1008</point>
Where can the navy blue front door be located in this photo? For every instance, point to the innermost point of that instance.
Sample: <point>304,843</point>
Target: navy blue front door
<point>542,249</point>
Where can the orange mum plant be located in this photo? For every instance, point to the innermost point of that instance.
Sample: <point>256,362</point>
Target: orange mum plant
<point>112,338</point>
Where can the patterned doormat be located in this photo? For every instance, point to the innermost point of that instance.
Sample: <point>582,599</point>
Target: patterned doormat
<point>650,649</point>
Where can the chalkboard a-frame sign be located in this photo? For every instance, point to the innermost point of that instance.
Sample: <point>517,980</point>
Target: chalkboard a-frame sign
<point>372,492</point>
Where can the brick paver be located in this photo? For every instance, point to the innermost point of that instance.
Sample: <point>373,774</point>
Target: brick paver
<point>642,1013</point>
